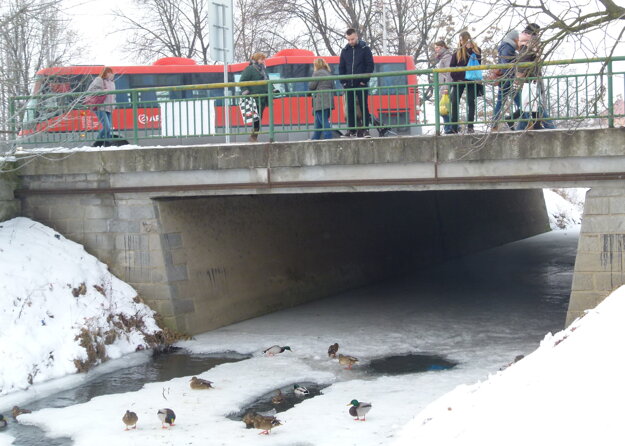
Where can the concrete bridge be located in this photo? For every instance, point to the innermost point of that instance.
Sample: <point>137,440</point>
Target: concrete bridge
<point>216,234</point>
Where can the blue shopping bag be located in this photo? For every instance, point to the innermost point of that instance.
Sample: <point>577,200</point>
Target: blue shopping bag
<point>475,75</point>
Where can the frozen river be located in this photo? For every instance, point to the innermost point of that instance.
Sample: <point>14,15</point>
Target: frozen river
<point>478,312</point>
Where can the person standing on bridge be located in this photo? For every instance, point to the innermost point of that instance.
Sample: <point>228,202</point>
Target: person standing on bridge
<point>356,58</point>
<point>104,111</point>
<point>323,101</point>
<point>442,54</point>
<point>256,71</point>
<point>507,94</point>
<point>460,58</point>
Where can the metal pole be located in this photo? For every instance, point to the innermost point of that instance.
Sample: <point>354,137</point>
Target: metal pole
<point>226,89</point>
<point>610,96</point>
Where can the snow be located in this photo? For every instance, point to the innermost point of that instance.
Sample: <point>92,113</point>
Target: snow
<point>568,391</point>
<point>565,207</point>
<point>480,331</point>
<point>52,293</point>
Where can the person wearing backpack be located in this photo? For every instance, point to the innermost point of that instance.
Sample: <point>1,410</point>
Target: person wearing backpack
<point>442,54</point>
<point>467,51</point>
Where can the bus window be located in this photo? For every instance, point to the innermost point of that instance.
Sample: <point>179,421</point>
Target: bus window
<point>299,70</point>
<point>389,81</point>
<point>206,78</point>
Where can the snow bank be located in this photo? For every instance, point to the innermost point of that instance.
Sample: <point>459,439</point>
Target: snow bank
<point>568,391</point>
<point>565,207</point>
<point>61,310</point>
<point>6,440</point>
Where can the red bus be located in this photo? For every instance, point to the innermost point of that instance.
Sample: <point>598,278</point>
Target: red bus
<point>393,100</point>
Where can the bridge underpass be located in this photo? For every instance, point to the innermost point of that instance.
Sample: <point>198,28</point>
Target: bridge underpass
<point>212,235</point>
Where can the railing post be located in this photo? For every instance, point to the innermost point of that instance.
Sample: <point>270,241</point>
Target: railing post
<point>437,99</point>
<point>610,96</point>
<point>270,106</point>
<point>12,118</point>
<point>135,117</point>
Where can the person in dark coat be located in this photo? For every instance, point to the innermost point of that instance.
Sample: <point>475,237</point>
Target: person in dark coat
<point>356,58</point>
<point>507,53</point>
<point>531,51</point>
<point>323,101</point>
<point>460,58</point>
<point>256,71</point>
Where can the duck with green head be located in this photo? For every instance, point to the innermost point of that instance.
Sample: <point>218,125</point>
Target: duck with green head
<point>3,422</point>
<point>276,349</point>
<point>359,409</point>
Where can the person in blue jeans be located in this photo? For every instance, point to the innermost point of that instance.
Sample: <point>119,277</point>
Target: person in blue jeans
<point>323,101</point>
<point>506,53</point>
<point>103,83</point>
<point>530,51</point>
<point>442,54</point>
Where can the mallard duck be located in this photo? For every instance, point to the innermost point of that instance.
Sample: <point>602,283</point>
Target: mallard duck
<point>16,411</point>
<point>275,349</point>
<point>199,383</point>
<point>347,360</point>
<point>130,419</point>
<point>278,398</point>
<point>3,422</point>
<point>333,349</point>
<point>248,419</point>
<point>359,409</point>
<point>167,416</point>
<point>300,390</point>
<point>266,424</point>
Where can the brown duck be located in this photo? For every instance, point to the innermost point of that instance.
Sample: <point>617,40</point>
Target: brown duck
<point>347,360</point>
<point>130,419</point>
<point>333,349</point>
<point>199,383</point>
<point>266,424</point>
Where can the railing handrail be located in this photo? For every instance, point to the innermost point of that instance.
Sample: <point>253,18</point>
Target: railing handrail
<point>221,85</point>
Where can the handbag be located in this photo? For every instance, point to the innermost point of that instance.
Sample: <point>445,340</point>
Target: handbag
<point>475,75</point>
<point>94,100</point>
<point>530,97</point>
<point>249,109</point>
<point>443,106</point>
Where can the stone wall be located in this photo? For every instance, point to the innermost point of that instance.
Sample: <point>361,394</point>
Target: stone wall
<point>600,262</point>
<point>9,206</point>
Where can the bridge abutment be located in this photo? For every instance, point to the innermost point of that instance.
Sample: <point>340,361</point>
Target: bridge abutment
<point>600,262</point>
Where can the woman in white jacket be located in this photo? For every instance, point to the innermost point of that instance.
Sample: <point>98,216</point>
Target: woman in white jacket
<point>104,82</point>
<point>442,53</point>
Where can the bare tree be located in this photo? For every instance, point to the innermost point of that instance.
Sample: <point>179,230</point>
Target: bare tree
<point>167,28</point>
<point>34,34</point>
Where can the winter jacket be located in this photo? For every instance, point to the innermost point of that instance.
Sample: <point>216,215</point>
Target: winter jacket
<point>325,100</point>
<point>455,62</point>
<point>99,84</point>
<point>444,59</point>
<point>506,53</point>
<point>530,52</point>
<point>255,72</point>
<point>356,60</point>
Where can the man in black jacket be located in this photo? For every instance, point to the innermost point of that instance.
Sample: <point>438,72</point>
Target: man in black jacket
<point>356,58</point>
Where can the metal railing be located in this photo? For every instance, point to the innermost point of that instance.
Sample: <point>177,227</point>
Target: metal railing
<point>397,105</point>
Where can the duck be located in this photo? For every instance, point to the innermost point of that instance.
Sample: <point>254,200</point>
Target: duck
<point>167,416</point>
<point>275,349</point>
<point>347,360</point>
<point>300,390</point>
<point>278,398</point>
<point>3,422</point>
<point>200,384</point>
<point>16,411</point>
<point>359,409</point>
<point>266,424</point>
<point>248,419</point>
<point>130,419</point>
<point>333,349</point>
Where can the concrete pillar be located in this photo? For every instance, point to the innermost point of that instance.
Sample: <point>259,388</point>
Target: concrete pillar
<point>9,206</point>
<point>600,262</point>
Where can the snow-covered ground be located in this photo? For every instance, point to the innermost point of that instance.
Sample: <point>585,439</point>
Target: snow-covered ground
<point>432,313</point>
<point>61,310</point>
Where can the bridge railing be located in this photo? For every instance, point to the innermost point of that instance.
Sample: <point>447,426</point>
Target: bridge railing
<point>404,102</point>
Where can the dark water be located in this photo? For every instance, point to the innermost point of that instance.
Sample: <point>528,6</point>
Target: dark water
<point>264,403</point>
<point>162,367</point>
<point>399,365</point>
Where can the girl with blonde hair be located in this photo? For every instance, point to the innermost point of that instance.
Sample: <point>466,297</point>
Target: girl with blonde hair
<point>323,101</point>
<point>460,58</point>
